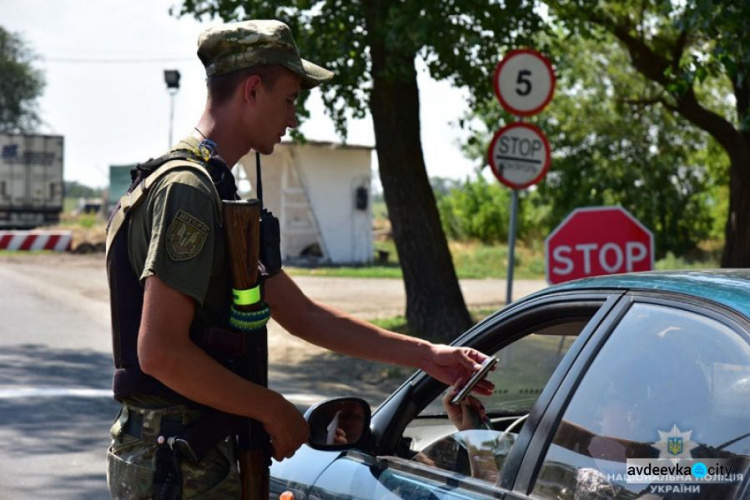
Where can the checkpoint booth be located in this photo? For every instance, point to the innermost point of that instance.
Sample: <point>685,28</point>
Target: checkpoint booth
<point>320,191</point>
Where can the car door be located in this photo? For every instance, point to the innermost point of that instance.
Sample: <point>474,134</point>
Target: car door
<point>417,453</point>
<point>666,383</point>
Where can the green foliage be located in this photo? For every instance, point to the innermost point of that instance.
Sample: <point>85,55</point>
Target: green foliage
<point>477,210</point>
<point>20,85</point>
<point>74,189</point>
<point>670,263</point>
<point>693,58</point>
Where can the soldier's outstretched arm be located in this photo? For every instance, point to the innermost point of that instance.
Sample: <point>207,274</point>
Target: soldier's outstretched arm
<point>166,352</point>
<point>333,329</point>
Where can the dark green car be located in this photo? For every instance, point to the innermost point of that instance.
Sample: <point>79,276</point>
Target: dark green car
<point>626,386</point>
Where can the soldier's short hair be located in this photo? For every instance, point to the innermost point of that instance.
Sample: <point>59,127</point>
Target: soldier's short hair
<point>222,87</point>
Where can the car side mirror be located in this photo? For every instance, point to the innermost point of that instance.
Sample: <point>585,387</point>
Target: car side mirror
<point>338,424</point>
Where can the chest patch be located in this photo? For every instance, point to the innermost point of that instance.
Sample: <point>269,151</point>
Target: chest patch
<point>185,236</point>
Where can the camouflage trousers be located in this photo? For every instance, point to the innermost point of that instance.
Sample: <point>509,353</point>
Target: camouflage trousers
<point>131,460</point>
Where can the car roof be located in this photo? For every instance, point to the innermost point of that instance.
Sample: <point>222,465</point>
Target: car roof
<point>729,287</point>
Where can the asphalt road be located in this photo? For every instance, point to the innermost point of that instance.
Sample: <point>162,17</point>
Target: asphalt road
<point>55,366</point>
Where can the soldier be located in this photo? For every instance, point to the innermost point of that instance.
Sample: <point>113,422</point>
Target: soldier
<point>170,287</point>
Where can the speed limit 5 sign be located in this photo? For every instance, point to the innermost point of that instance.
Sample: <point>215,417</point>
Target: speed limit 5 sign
<point>524,82</point>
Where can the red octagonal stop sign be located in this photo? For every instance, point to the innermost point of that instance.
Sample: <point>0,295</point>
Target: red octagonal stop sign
<point>597,240</point>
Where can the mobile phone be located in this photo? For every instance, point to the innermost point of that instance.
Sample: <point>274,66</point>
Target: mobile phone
<point>488,364</point>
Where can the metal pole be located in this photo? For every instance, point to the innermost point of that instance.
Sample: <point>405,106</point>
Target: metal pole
<point>171,117</point>
<point>511,245</point>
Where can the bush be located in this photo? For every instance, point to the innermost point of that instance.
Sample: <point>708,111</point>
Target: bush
<point>478,210</point>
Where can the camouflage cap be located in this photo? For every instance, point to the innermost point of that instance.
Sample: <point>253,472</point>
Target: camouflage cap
<point>232,46</point>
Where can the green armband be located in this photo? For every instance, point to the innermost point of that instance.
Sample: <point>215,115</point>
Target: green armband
<point>246,297</point>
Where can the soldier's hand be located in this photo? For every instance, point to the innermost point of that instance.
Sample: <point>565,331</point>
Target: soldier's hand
<point>452,365</point>
<point>287,428</point>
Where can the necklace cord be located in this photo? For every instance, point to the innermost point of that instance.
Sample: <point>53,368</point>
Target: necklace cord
<point>201,133</point>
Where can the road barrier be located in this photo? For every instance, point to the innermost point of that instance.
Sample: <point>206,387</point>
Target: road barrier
<point>58,241</point>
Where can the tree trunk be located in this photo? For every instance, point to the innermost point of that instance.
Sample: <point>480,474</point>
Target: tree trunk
<point>737,230</point>
<point>434,304</point>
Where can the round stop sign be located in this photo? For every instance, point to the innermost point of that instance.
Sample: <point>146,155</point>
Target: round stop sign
<point>595,241</point>
<point>519,155</point>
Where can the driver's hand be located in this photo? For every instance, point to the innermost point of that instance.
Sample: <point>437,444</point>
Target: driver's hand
<point>458,414</point>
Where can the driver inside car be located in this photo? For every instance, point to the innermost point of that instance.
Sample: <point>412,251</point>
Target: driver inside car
<point>474,449</point>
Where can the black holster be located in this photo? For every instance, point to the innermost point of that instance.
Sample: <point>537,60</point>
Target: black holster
<point>167,474</point>
<point>192,444</point>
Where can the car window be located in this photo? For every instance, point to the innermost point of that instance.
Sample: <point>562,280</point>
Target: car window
<point>522,371</point>
<point>669,387</point>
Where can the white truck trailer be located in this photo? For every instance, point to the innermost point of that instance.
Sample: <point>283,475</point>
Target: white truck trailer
<point>31,180</point>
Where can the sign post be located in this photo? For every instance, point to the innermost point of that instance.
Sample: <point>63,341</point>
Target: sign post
<point>519,153</point>
<point>597,240</point>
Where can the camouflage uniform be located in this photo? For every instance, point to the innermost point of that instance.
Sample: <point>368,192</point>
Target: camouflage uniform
<point>175,235</point>
<point>130,461</point>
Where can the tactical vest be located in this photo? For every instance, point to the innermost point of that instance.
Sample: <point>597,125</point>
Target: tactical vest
<point>126,291</point>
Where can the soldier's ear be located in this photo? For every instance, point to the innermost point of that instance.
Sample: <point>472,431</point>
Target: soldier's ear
<point>250,88</point>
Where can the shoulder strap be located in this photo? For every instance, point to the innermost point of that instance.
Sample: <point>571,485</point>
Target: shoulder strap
<point>135,196</point>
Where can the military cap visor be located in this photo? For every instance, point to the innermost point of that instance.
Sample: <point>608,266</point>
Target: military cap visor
<point>233,46</point>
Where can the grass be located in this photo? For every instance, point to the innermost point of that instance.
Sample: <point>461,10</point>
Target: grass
<point>471,260</point>
<point>479,261</point>
<point>398,323</point>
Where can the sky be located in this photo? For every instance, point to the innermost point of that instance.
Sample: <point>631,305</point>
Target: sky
<point>104,63</point>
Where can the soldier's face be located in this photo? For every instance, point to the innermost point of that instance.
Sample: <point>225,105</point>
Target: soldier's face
<point>276,110</point>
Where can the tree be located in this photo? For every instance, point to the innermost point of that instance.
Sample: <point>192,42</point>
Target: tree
<point>685,50</point>
<point>20,85</point>
<point>372,46</point>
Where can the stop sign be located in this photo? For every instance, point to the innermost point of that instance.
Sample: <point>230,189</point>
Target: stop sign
<point>597,240</point>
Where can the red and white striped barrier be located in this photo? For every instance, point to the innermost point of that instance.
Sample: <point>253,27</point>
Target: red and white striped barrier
<point>59,241</point>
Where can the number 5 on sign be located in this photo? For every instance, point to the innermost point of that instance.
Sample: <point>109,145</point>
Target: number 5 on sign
<point>524,82</point>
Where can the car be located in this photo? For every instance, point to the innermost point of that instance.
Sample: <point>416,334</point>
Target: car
<point>621,386</point>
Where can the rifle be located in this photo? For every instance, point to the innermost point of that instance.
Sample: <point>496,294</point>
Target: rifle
<point>249,314</point>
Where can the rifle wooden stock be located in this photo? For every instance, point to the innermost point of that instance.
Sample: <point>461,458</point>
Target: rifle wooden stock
<point>242,231</point>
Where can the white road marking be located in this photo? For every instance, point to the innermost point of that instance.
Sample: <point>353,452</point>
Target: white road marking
<point>22,392</point>
<point>53,392</point>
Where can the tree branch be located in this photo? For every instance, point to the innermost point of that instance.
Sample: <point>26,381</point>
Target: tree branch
<point>654,67</point>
